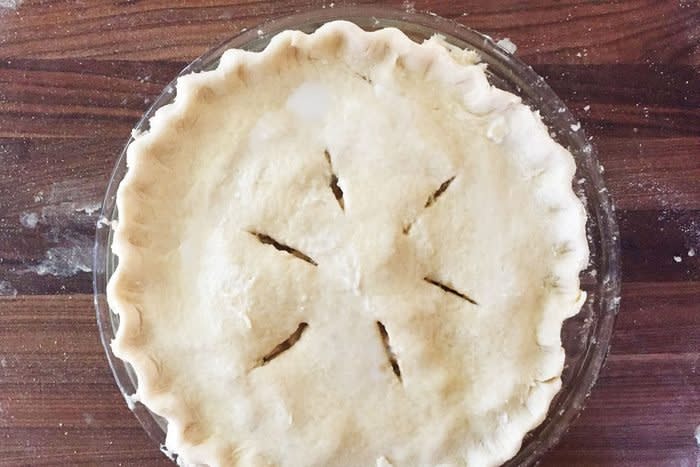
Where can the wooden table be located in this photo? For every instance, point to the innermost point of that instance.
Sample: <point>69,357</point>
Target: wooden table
<point>76,76</point>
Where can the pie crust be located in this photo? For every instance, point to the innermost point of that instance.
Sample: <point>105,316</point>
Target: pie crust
<point>346,250</point>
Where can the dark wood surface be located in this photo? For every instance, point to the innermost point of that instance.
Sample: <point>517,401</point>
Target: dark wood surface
<point>75,77</point>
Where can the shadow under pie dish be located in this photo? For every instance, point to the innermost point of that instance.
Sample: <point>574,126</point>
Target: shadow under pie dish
<point>348,249</point>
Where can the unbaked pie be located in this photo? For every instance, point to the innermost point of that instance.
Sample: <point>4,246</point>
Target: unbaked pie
<point>346,250</point>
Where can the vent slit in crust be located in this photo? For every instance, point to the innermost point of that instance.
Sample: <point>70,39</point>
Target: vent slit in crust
<point>335,188</point>
<point>267,240</point>
<point>450,290</point>
<point>364,77</point>
<point>389,351</point>
<point>431,200</point>
<point>441,189</point>
<point>283,346</point>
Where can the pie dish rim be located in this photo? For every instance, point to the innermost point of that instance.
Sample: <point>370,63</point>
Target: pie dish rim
<point>605,256</point>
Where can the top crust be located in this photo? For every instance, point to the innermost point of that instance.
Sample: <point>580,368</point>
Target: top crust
<point>406,229</point>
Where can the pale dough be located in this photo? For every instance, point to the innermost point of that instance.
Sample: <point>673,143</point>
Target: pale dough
<point>409,230</point>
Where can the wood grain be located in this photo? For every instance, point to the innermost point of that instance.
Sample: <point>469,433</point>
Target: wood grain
<point>40,100</point>
<point>58,401</point>
<point>639,31</point>
<point>644,408</point>
<point>650,242</point>
<point>76,76</point>
<point>56,388</point>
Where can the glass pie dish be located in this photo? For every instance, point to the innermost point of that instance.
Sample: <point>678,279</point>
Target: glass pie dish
<point>585,337</point>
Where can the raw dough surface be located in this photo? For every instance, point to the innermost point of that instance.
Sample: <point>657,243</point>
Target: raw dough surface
<point>347,250</point>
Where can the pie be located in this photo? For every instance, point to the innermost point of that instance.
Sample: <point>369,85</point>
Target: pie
<point>346,250</point>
